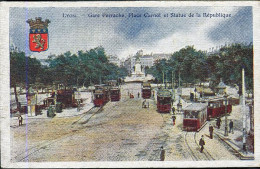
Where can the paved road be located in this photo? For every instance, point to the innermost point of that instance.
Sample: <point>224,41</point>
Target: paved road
<point>121,131</point>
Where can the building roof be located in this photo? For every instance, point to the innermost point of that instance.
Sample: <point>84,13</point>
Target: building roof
<point>196,107</point>
<point>147,56</point>
<point>221,84</point>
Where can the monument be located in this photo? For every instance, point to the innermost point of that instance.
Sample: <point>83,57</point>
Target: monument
<point>138,75</point>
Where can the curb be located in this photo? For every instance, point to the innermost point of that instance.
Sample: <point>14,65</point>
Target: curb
<point>241,155</point>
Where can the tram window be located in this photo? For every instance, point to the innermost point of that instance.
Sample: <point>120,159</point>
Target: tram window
<point>191,115</point>
<point>99,96</point>
<point>166,100</point>
<point>194,114</point>
<point>115,92</point>
<point>186,114</point>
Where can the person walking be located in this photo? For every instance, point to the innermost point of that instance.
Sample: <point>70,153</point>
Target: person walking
<point>173,119</point>
<point>162,155</point>
<point>144,104</point>
<point>211,131</point>
<point>138,94</point>
<point>218,122</point>
<point>231,125</point>
<point>20,119</point>
<point>201,143</point>
<point>173,110</point>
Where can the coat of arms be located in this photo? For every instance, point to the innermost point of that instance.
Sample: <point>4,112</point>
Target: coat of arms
<point>38,36</point>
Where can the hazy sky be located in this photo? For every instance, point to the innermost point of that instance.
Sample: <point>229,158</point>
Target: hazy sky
<point>123,36</point>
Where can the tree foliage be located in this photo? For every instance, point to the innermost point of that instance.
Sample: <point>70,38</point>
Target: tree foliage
<point>23,70</point>
<point>228,63</point>
<point>89,67</point>
<point>195,66</point>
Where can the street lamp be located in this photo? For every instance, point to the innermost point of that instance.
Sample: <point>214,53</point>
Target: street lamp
<point>226,121</point>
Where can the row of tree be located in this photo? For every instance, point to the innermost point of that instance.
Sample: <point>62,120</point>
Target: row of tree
<point>193,66</point>
<point>93,67</point>
<point>71,70</point>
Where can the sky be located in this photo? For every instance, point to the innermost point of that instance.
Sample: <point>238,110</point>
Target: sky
<point>124,36</point>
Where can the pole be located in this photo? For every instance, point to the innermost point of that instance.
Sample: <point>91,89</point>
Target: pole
<point>78,102</point>
<point>179,78</point>
<point>243,110</point>
<point>172,80</point>
<point>251,109</point>
<point>165,86</point>
<point>36,100</point>
<point>195,94</point>
<point>226,120</point>
<point>163,76</point>
<point>173,88</point>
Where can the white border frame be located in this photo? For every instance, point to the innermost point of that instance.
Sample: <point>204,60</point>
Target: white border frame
<point>5,85</point>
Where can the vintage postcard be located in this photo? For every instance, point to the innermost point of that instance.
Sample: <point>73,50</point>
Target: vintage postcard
<point>129,84</point>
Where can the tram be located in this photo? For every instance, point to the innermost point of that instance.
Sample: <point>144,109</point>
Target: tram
<point>115,93</point>
<point>164,99</point>
<point>101,95</point>
<point>146,90</point>
<point>195,116</point>
<point>216,108</point>
<point>65,97</point>
<point>112,83</point>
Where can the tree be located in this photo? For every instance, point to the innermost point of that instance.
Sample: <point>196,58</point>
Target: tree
<point>228,62</point>
<point>186,64</point>
<point>23,70</point>
<point>84,68</point>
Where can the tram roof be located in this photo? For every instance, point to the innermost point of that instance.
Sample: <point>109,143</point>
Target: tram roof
<point>114,88</point>
<point>164,93</point>
<point>146,84</point>
<point>196,107</point>
<point>98,91</point>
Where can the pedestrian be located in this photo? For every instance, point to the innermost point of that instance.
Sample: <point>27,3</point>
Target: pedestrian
<point>153,93</point>
<point>20,119</point>
<point>138,94</point>
<point>144,104</point>
<point>173,119</point>
<point>173,110</point>
<point>202,143</point>
<point>211,131</point>
<point>231,124</point>
<point>218,122</point>
<point>162,156</point>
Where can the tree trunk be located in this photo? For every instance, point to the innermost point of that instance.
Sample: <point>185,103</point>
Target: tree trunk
<point>16,99</point>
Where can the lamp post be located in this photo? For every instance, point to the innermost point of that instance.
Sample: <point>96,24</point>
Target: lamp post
<point>226,121</point>
<point>244,111</point>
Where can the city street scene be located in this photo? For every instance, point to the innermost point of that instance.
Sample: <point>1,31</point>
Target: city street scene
<point>131,84</point>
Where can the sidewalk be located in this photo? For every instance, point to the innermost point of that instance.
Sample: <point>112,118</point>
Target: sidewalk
<point>67,112</point>
<point>214,146</point>
<point>235,140</point>
<point>230,140</point>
